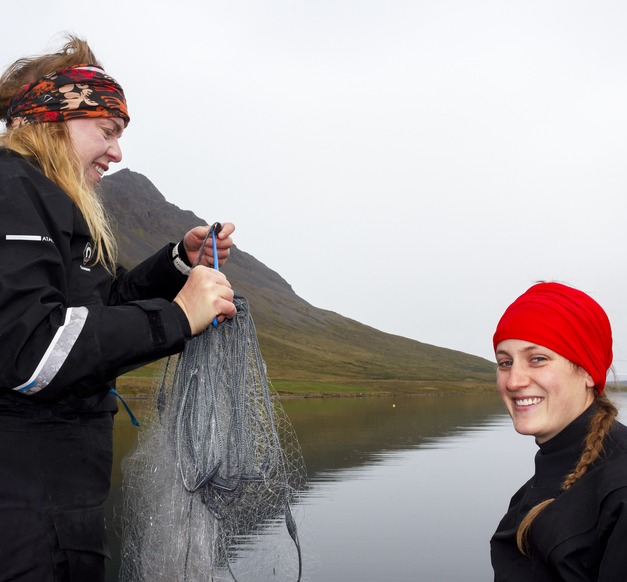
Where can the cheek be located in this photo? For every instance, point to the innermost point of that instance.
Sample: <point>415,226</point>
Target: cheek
<point>88,147</point>
<point>80,147</point>
<point>501,382</point>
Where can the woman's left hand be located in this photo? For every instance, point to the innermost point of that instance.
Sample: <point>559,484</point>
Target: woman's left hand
<point>193,240</point>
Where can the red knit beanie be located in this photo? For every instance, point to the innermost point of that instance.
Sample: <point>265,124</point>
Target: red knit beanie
<point>565,320</point>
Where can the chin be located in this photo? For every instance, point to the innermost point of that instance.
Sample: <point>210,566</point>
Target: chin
<point>525,430</point>
<point>93,178</point>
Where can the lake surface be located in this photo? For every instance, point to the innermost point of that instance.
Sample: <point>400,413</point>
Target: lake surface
<point>401,489</point>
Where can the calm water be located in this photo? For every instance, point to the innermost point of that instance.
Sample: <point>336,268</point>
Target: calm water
<point>406,489</point>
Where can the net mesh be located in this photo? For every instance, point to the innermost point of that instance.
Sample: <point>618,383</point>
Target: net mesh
<point>210,489</point>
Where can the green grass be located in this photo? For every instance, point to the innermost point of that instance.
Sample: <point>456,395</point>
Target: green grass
<point>141,382</point>
<point>313,387</point>
<point>152,370</point>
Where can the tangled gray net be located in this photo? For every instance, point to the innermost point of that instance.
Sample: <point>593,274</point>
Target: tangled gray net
<point>208,492</point>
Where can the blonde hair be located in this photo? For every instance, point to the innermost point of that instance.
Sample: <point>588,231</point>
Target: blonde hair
<point>49,147</point>
<point>600,425</point>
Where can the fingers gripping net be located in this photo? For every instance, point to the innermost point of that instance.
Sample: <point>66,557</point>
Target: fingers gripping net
<point>207,492</point>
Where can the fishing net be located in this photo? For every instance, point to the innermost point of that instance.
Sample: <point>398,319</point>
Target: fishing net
<point>209,492</point>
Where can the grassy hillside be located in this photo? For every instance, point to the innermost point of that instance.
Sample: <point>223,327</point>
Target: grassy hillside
<point>308,351</point>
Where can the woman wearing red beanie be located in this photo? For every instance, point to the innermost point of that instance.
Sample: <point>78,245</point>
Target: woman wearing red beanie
<point>553,348</point>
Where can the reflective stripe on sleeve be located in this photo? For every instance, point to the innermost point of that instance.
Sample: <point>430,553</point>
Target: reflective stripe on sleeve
<point>32,237</point>
<point>57,351</point>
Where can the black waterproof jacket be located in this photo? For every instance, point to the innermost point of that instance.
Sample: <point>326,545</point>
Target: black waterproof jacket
<point>582,535</point>
<point>67,327</point>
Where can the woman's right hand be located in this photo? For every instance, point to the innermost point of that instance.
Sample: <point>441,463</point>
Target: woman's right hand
<point>207,294</point>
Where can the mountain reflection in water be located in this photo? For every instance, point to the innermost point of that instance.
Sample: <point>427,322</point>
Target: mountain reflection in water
<point>343,433</point>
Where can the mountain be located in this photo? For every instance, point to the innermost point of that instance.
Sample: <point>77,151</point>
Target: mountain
<point>305,348</point>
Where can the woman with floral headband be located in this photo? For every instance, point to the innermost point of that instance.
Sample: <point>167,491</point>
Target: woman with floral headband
<point>553,348</point>
<point>70,319</point>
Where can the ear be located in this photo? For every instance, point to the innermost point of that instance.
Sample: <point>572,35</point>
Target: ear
<point>589,381</point>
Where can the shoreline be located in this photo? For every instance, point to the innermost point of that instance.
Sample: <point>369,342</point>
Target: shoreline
<point>143,387</point>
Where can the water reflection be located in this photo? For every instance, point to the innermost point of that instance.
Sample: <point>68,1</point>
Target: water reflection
<point>401,489</point>
<point>419,514</point>
<point>347,432</point>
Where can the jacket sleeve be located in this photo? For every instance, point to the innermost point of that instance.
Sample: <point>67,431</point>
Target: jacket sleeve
<point>614,518</point>
<point>50,347</point>
<point>155,277</point>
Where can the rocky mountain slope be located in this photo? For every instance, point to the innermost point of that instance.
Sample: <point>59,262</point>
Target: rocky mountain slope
<point>305,348</point>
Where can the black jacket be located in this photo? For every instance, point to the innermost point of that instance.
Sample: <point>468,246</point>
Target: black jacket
<point>582,535</point>
<point>67,327</point>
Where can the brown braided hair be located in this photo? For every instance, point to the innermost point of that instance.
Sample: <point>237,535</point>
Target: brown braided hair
<point>600,425</point>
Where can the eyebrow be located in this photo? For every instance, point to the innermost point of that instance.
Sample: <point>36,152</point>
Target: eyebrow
<point>119,125</point>
<point>530,348</point>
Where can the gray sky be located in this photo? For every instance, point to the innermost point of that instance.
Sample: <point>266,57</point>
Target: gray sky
<point>412,164</point>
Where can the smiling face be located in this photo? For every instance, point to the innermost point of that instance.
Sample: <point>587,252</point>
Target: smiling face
<point>95,140</point>
<point>542,391</point>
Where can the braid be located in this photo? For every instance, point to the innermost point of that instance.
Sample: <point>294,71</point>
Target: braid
<point>600,425</point>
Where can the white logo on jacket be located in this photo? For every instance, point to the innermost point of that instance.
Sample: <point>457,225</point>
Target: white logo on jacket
<point>88,253</point>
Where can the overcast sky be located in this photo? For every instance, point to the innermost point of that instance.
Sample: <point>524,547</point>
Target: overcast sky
<point>412,164</point>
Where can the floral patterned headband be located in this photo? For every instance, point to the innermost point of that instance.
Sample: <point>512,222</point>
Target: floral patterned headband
<point>80,91</point>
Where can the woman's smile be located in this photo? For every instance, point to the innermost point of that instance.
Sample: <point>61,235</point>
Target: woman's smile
<point>542,391</point>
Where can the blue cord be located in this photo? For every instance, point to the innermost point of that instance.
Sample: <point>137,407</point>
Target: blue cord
<point>216,266</point>
<point>128,408</point>
<point>216,227</point>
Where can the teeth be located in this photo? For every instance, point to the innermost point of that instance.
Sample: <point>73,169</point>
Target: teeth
<point>99,169</point>
<point>527,401</point>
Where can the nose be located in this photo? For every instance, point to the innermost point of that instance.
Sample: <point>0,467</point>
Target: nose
<point>115,152</point>
<point>518,378</point>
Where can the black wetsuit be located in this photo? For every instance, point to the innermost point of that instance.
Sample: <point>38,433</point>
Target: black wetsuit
<point>582,535</point>
<point>67,329</point>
